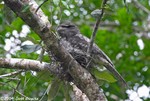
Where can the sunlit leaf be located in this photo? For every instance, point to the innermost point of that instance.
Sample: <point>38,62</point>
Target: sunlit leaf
<point>1,6</point>
<point>65,4</point>
<point>103,75</point>
<point>56,2</point>
<point>30,48</point>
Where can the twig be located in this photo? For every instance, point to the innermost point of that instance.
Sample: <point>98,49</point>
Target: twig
<point>22,94</point>
<point>16,87</point>
<point>10,74</point>
<point>125,3</point>
<point>96,28</point>
<point>138,5</point>
<point>11,79</point>
<point>43,95</point>
<point>40,5</point>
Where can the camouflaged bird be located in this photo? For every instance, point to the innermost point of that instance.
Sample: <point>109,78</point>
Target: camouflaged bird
<point>77,44</point>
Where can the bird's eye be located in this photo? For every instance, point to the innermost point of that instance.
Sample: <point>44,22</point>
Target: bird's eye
<point>67,26</point>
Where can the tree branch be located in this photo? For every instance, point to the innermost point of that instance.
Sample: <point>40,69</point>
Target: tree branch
<point>77,94</point>
<point>25,64</point>
<point>11,74</point>
<point>138,5</point>
<point>40,24</point>
<point>96,26</point>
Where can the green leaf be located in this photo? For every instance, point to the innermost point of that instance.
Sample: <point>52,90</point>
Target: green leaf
<point>66,90</point>
<point>1,6</point>
<point>8,15</point>
<point>31,38</point>
<point>30,48</point>
<point>56,2</point>
<point>65,4</point>
<point>17,24</point>
<point>53,88</point>
<point>103,75</point>
<point>2,39</point>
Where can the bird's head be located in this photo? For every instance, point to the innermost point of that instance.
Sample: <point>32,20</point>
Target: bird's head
<point>67,29</point>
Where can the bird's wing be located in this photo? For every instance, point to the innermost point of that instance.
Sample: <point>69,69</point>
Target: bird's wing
<point>84,45</point>
<point>101,57</point>
<point>74,50</point>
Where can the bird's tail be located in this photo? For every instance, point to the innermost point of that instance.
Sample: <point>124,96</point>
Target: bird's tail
<point>111,69</point>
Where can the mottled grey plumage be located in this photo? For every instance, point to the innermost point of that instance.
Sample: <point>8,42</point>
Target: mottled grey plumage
<point>77,45</point>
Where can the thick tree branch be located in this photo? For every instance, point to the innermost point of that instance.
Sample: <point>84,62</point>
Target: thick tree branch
<point>26,64</point>
<point>39,23</point>
<point>77,94</point>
